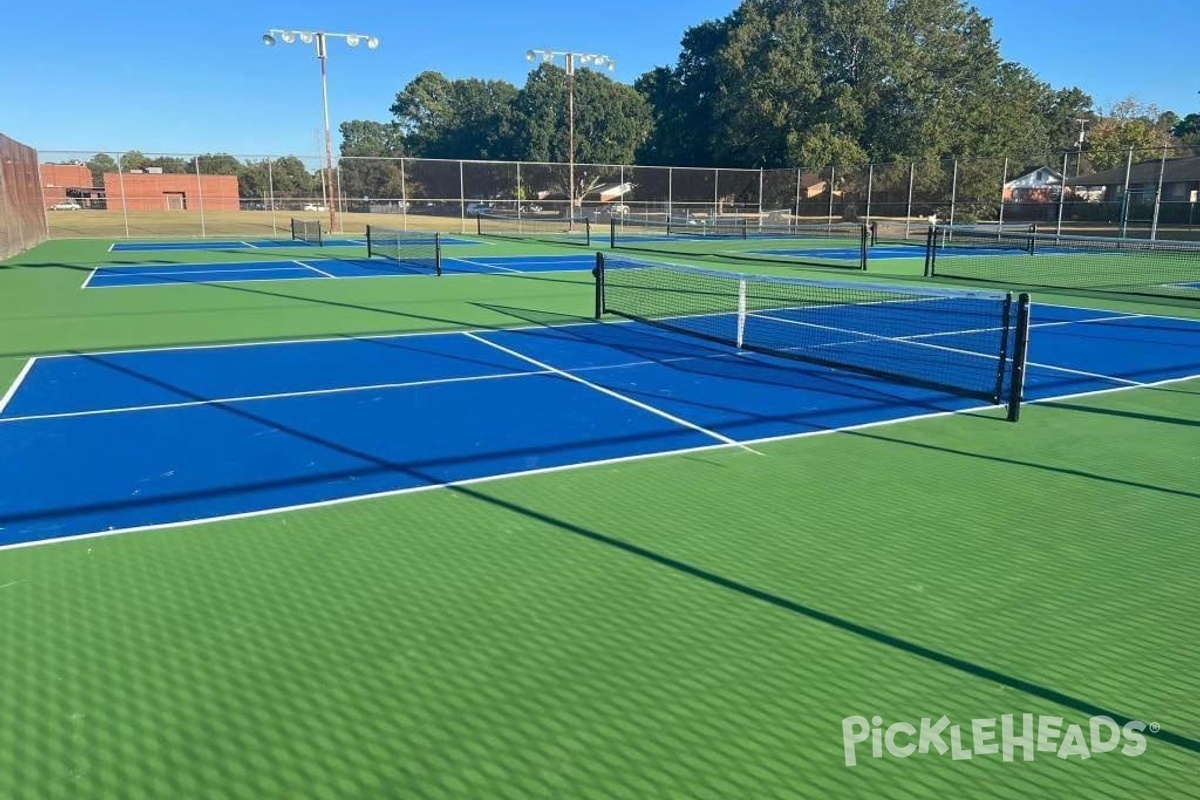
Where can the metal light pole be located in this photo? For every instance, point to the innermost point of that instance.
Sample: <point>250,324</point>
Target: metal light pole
<point>289,36</point>
<point>571,59</point>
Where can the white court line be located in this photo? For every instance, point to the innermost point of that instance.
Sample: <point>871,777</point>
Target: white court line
<point>871,336</point>
<point>249,244</point>
<point>97,412</point>
<point>187,523</point>
<point>606,391</point>
<point>87,281</point>
<point>315,269</point>
<point>1085,373</point>
<point>911,340</point>
<point>215,281</point>
<point>484,264</point>
<point>111,246</point>
<point>12,389</point>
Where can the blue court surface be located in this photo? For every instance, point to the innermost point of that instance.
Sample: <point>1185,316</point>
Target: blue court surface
<point>281,270</point>
<point>250,244</point>
<point>112,441</point>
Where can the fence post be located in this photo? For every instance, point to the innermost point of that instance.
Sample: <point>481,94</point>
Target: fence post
<point>796,214</point>
<point>200,196</point>
<point>520,196</point>
<point>1162,166</point>
<point>953,192</point>
<point>271,194</point>
<point>716,193</point>
<point>1003,180</point>
<point>403,196</point>
<point>1125,193</point>
<point>1062,195</point>
<point>760,196</point>
<point>670,194</point>
<point>462,200</point>
<point>124,199</point>
<point>340,200</point>
<point>832,181</point>
<point>870,187</point>
<point>912,174</point>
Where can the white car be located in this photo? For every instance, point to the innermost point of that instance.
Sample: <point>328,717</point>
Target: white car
<point>314,207</point>
<point>67,205</point>
<point>478,208</point>
<point>618,210</point>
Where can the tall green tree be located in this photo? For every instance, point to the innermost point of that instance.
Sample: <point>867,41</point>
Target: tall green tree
<point>100,164</point>
<point>468,118</point>
<point>215,164</point>
<point>369,166</point>
<point>1128,123</point>
<point>804,83</point>
<point>611,119</point>
<point>1187,130</point>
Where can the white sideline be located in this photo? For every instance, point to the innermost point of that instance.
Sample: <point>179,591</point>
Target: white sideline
<point>611,393</point>
<point>187,523</point>
<point>250,398</point>
<point>314,269</point>
<point>17,381</point>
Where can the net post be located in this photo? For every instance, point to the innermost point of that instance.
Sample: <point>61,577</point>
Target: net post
<point>479,224</point>
<point>598,274</point>
<point>874,232</point>
<point>293,229</point>
<point>369,253</point>
<point>741,313</point>
<point>587,232</point>
<point>1016,387</point>
<point>320,235</point>
<point>612,234</point>
<point>930,251</point>
<point>862,249</point>
<point>745,229</point>
<point>437,254</point>
<point>1033,229</point>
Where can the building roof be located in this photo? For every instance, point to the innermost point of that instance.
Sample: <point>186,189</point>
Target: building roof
<point>1176,170</point>
<point>1037,178</point>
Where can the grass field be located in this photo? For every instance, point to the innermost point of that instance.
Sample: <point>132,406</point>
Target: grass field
<point>689,626</point>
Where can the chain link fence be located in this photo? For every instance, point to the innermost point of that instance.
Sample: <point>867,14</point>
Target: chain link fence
<point>22,212</point>
<point>1133,193</point>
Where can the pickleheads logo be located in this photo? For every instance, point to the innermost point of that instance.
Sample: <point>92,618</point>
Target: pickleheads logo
<point>1029,734</point>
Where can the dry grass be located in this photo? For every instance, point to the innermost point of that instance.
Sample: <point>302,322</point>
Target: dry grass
<point>259,224</point>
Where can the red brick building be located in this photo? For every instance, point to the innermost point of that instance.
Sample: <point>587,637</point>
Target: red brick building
<point>142,191</point>
<point>58,178</point>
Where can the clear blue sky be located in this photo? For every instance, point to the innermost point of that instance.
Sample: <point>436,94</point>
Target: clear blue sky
<point>187,76</point>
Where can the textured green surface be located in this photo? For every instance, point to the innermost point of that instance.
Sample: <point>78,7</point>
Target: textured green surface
<point>687,626</point>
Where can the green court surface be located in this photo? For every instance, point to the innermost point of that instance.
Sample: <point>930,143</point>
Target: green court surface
<point>690,626</point>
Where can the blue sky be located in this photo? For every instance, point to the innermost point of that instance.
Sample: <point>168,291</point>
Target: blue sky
<point>187,76</point>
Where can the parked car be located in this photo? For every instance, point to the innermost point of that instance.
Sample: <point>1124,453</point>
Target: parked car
<point>67,205</point>
<point>618,210</point>
<point>315,207</point>
<point>479,208</point>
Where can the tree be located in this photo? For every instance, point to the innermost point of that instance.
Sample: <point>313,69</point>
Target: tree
<point>469,118</point>
<point>611,119</point>
<point>370,166</point>
<point>1129,123</point>
<point>799,83</point>
<point>132,160</point>
<point>1187,130</point>
<point>100,164</point>
<point>215,164</point>
<point>169,164</point>
<point>363,137</point>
